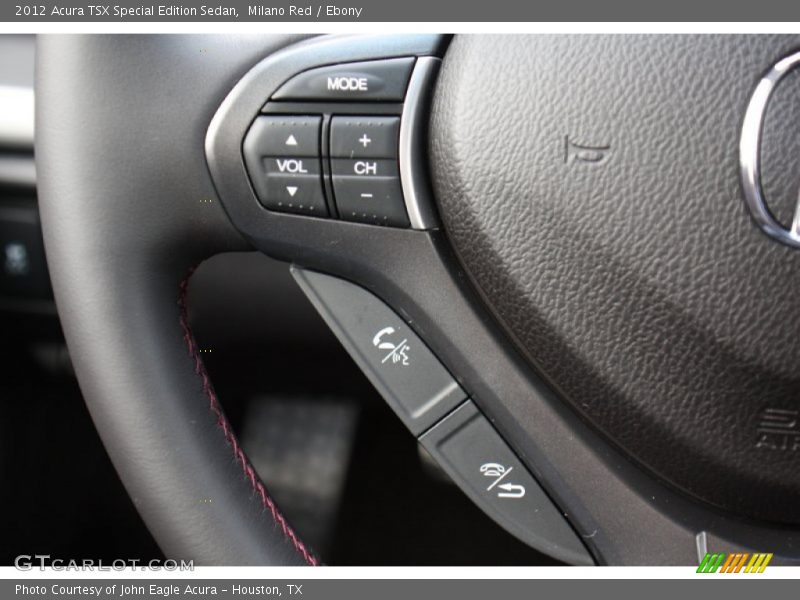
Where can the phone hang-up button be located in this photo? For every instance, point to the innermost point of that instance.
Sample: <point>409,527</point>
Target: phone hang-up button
<point>397,362</point>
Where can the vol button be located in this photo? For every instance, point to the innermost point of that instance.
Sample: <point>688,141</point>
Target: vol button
<point>294,185</point>
<point>295,193</point>
<point>278,135</point>
<point>292,166</point>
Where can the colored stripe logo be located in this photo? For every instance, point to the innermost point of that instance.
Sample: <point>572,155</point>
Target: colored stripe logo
<point>739,562</point>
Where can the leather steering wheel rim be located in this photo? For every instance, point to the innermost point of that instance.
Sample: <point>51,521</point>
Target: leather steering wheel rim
<point>129,209</point>
<point>124,196</point>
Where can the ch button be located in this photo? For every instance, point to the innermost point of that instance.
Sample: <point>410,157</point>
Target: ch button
<point>365,137</point>
<point>366,180</point>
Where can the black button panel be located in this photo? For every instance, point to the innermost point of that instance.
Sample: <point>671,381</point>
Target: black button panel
<point>377,80</point>
<point>437,410</point>
<point>288,161</point>
<point>328,144</point>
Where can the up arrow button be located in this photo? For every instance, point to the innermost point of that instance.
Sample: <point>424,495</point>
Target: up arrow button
<point>292,136</point>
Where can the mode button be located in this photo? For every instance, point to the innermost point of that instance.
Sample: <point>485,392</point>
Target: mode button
<point>383,80</point>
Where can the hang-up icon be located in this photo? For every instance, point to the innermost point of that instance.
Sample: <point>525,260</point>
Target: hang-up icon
<point>499,472</point>
<point>398,352</point>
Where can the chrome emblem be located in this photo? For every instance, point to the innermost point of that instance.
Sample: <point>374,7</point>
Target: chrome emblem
<point>750,156</point>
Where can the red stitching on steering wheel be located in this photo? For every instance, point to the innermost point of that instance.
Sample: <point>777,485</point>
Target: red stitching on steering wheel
<point>222,422</point>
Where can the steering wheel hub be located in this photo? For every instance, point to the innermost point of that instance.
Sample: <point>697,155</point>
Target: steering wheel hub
<point>597,208</point>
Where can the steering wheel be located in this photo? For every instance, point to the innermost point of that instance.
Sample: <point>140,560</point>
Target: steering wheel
<point>539,248</point>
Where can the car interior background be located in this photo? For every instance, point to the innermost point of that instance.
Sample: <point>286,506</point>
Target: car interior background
<point>336,459</point>
<point>438,292</point>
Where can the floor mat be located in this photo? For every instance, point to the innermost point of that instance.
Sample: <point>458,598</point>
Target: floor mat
<point>301,447</point>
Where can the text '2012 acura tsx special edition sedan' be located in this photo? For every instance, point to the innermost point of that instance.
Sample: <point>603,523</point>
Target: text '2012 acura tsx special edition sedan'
<point>401,299</point>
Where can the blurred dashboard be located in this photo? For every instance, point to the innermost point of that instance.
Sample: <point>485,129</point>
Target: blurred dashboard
<point>24,283</point>
<point>234,296</point>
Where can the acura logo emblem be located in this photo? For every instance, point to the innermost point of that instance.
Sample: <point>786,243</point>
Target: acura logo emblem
<point>750,156</point>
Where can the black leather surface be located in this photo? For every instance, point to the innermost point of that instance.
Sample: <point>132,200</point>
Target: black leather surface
<point>124,193</point>
<point>637,285</point>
